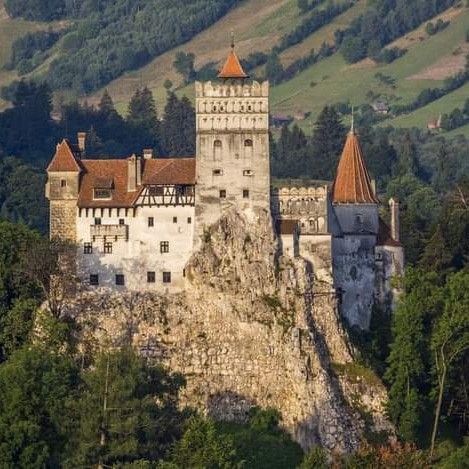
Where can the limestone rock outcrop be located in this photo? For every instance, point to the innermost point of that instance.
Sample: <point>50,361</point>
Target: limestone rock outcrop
<point>252,328</point>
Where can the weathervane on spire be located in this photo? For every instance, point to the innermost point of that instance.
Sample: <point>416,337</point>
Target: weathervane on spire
<point>232,39</point>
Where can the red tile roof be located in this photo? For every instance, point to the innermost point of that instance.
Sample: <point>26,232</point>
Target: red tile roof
<point>64,159</point>
<point>169,171</point>
<point>103,173</point>
<point>105,169</point>
<point>232,67</point>
<point>352,183</point>
<point>384,236</point>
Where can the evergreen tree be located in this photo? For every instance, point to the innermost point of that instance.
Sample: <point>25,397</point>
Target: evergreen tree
<point>326,143</point>
<point>106,104</point>
<point>178,127</point>
<point>143,120</point>
<point>184,64</point>
<point>409,357</point>
<point>274,68</point>
<point>408,161</point>
<point>37,386</point>
<point>127,412</point>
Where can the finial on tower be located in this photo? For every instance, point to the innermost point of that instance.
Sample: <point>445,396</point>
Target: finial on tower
<point>352,126</point>
<point>232,68</point>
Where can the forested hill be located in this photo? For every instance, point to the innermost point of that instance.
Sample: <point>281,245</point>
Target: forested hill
<point>408,57</point>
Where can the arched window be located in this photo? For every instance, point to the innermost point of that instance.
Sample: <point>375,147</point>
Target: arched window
<point>248,143</point>
<point>217,148</point>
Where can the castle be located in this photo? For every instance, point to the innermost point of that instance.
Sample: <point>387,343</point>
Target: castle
<point>137,221</point>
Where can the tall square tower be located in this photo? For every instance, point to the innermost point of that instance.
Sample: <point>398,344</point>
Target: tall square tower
<point>232,147</point>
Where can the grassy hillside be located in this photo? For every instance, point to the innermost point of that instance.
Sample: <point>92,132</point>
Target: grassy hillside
<point>10,30</point>
<point>332,80</point>
<point>258,25</point>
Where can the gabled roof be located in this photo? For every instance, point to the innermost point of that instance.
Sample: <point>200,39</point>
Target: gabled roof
<point>352,184</point>
<point>64,159</point>
<point>105,170</point>
<point>232,67</point>
<point>169,171</point>
<point>113,174</point>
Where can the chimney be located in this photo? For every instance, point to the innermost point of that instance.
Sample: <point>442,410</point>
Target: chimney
<point>138,171</point>
<point>395,228</point>
<point>81,137</point>
<point>148,153</point>
<point>132,174</point>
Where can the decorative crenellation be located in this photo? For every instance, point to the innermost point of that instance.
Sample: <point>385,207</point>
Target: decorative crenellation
<point>241,90</point>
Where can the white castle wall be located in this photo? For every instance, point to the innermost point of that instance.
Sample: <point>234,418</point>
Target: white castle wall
<point>232,149</point>
<point>141,253</point>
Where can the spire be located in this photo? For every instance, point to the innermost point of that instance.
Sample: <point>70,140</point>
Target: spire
<point>352,183</point>
<point>232,67</point>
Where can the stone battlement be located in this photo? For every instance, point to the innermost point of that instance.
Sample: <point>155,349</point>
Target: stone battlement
<point>218,90</point>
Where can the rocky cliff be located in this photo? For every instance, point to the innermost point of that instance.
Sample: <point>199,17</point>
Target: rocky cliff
<point>251,328</point>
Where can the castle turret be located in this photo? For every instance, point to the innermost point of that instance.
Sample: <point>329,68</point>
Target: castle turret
<point>352,192</point>
<point>232,120</point>
<point>63,179</point>
<point>356,209</point>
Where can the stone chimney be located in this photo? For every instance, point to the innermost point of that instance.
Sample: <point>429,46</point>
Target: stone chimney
<point>132,174</point>
<point>138,171</point>
<point>81,137</point>
<point>395,228</point>
<point>147,153</point>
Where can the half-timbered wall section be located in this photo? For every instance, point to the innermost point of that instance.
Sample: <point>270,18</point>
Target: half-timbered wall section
<point>166,195</point>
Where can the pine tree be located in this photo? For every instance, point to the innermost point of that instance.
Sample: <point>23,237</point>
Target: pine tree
<point>327,143</point>
<point>127,412</point>
<point>178,128</point>
<point>106,105</point>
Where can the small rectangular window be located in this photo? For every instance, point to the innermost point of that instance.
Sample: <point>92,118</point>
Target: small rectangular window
<point>151,221</point>
<point>151,277</point>
<point>63,183</point>
<point>217,172</point>
<point>222,194</point>
<point>97,221</point>
<point>102,194</point>
<point>121,221</point>
<point>94,279</point>
<point>88,248</point>
<point>164,247</point>
<point>189,220</point>
<point>166,277</point>
<point>175,219</point>
<point>245,193</point>
<point>247,172</point>
<point>120,279</point>
<point>107,248</point>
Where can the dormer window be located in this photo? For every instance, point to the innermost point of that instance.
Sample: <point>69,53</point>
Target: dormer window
<point>103,188</point>
<point>102,194</point>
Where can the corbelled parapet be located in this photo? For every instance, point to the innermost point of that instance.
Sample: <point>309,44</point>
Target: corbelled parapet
<point>229,90</point>
<point>252,329</point>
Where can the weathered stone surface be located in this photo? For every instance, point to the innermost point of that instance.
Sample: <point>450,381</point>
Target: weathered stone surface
<point>251,328</point>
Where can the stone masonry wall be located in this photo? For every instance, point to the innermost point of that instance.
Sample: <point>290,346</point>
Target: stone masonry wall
<point>250,329</point>
<point>63,219</point>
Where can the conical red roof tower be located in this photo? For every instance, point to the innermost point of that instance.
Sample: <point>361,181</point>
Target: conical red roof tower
<point>352,184</point>
<point>232,67</point>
